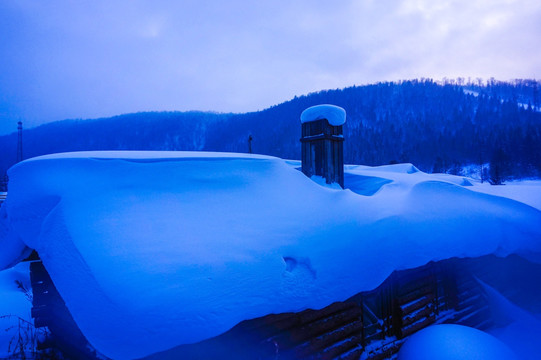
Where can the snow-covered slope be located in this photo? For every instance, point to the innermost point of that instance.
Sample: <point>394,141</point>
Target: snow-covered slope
<point>170,248</point>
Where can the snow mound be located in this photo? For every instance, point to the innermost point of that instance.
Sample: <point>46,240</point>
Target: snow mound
<point>405,168</point>
<point>172,248</point>
<point>13,249</point>
<point>364,185</point>
<point>451,342</point>
<point>335,115</point>
<point>527,192</point>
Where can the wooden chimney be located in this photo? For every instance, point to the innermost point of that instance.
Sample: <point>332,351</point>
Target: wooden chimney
<point>323,143</point>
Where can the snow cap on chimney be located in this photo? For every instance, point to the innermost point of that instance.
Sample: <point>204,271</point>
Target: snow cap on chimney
<point>335,115</point>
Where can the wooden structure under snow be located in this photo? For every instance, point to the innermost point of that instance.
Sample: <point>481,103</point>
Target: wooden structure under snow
<point>322,148</point>
<point>370,325</point>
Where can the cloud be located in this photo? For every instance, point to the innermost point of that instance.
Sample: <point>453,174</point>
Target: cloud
<point>67,59</point>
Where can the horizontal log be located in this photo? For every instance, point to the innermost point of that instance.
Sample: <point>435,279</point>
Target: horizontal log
<point>419,303</point>
<point>379,335</point>
<point>415,284</point>
<point>475,318</point>
<point>313,346</point>
<point>274,324</point>
<point>476,301</point>
<point>416,294</point>
<point>372,328</point>
<point>295,336</point>
<point>386,353</point>
<point>341,348</point>
<point>353,355</point>
<point>417,326</point>
<point>415,317</point>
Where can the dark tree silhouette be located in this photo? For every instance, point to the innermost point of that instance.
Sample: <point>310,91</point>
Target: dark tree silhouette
<point>439,127</point>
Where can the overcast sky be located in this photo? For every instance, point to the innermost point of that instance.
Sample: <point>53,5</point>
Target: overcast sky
<point>90,58</point>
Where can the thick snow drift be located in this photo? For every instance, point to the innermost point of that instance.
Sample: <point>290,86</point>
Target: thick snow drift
<point>155,249</point>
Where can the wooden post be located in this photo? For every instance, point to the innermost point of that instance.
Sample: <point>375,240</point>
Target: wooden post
<point>323,143</point>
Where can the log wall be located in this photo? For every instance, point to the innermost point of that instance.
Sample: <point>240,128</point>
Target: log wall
<point>370,325</point>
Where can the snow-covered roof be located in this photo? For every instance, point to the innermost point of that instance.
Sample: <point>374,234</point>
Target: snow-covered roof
<point>173,248</point>
<point>334,114</point>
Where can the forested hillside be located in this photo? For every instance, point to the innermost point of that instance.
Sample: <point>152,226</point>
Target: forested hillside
<point>439,127</point>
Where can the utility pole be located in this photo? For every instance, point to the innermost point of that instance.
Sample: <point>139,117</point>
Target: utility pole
<point>20,141</point>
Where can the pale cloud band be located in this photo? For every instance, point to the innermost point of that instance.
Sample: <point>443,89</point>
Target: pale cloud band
<point>70,59</point>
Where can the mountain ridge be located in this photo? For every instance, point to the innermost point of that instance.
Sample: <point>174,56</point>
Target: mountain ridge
<point>439,127</point>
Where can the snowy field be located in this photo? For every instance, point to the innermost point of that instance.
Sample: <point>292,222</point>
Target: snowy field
<point>171,247</point>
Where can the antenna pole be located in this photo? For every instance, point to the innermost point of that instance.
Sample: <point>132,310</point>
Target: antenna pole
<point>19,141</point>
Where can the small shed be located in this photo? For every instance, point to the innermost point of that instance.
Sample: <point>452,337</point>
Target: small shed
<point>322,143</point>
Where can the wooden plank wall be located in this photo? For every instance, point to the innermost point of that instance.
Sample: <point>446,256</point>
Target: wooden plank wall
<point>322,151</point>
<point>370,325</point>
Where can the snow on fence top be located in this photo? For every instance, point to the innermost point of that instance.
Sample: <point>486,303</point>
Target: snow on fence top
<point>151,250</point>
<point>334,114</point>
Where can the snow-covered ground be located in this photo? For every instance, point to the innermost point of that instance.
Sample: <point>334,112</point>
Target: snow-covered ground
<point>171,247</point>
<point>15,310</point>
<point>526,191</point>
